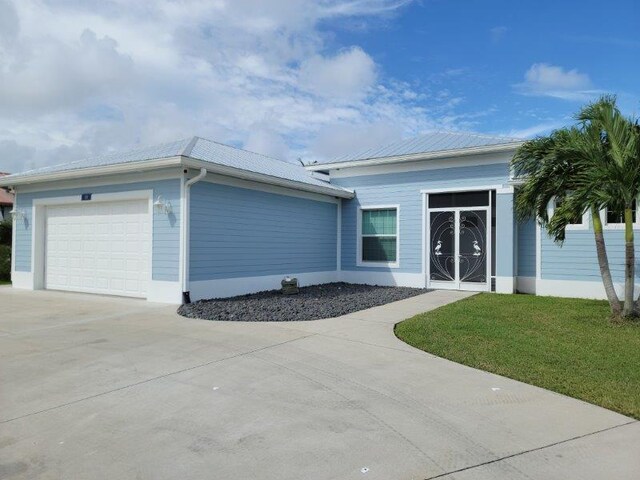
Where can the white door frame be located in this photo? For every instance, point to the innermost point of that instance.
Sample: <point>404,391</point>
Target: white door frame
<point>457,284</point>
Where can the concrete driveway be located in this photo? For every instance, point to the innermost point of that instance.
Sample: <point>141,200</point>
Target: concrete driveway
<point>106,388</point>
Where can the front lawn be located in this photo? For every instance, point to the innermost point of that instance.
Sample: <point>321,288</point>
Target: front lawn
<point>565,345</point>
<point>5,282</point>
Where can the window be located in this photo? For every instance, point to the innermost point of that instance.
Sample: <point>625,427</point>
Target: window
<point>379,235</point>
<point>576,221</point>
<point>617,216</point>
<point>459,199</point>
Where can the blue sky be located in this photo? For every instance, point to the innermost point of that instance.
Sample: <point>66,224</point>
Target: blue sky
<point>480,51</point>
<point>300,78</point>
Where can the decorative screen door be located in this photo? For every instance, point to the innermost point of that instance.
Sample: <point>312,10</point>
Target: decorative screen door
<point>458,248</point>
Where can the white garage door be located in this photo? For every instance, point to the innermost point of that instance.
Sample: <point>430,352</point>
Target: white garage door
<point>99,247</point>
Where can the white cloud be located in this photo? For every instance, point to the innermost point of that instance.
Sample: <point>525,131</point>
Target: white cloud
<point>46,74</point>
<point>348,75</point>
<point>91,76</point>
<point>263,139</point>
<point>544,80</point>
<point>9,23</point>
<point>16,157</point>
<point>534,130</point>
<point>335,140</point>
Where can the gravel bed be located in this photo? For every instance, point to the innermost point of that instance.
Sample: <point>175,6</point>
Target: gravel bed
<point>312,303</point>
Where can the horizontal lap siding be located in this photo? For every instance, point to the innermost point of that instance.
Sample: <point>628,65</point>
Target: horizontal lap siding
<point>238,232</point>
<point>23,231</point>
<point>403,189</point>
<point>527,249</point>
<point>166,228</point>
<point>576,259</point>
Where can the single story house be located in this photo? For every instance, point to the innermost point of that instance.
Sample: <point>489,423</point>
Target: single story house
<point>198,219</point>
<point>6,201</point>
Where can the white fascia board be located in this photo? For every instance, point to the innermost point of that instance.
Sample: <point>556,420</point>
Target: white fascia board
<point>268,179</point>
<point>460,152</point>
<point>160,174</point>
<point>176,161</point>
<point>92,171</point>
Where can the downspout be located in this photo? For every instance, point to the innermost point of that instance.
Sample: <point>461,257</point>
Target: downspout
<point>186,295</point>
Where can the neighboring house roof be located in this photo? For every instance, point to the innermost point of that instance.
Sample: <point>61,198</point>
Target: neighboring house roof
<point>195,152</point>
<point>430,145</point>
<point>6,198</point>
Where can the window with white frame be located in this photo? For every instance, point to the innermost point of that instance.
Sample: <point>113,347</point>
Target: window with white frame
<point>616,217</point>
<point>578,221</point>
<point>379,235</point>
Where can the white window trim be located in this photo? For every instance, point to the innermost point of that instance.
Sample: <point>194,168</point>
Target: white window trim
<point>359,261</point>
<point>572,226</point>
<point>619,226</point>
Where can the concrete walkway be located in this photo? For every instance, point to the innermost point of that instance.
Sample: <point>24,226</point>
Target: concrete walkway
<point>106,388</point>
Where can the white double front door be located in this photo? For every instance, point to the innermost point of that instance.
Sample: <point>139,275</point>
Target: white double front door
<point>459,250</point>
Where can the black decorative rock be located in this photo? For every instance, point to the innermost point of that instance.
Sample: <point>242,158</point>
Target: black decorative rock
<point>312,303</point>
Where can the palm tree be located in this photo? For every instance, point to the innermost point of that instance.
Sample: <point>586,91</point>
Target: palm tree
<point>590,166</point>
<point>618,179</point>
<point>549,171</point>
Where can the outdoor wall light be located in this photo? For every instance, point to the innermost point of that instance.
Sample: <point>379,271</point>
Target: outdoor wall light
<point>161,205</point>
<point>17,214</point>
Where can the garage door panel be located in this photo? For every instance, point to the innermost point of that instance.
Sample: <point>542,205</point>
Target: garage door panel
<point>102,247</point>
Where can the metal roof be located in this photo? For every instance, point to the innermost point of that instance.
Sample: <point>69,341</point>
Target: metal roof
<point>194,148</point>
<point>164,150</point>
<point>225,155</point>
<point>429,143</point>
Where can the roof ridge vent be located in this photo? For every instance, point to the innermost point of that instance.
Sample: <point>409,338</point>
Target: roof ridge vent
<point>186,152</point>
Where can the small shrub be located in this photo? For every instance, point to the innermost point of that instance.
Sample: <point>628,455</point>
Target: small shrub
<point>5,262</point>
<point>6,230</point>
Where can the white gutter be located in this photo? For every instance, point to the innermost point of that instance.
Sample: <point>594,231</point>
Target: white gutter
<point>186,224</point>
<point>459,152</point>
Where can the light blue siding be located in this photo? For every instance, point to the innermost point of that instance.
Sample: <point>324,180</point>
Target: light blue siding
<point>576,259</point>
<point>505,238</point>
<point>239,232</point>
<point>166,228</point>
<point>527,249</point>
<point>403,189</point>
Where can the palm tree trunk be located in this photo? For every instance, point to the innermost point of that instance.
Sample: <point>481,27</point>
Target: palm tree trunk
<point>629,264</point>
<point>603,261</point>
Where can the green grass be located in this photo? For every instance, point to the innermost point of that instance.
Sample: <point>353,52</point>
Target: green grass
<point>565,345</point>
<point>5,282</point>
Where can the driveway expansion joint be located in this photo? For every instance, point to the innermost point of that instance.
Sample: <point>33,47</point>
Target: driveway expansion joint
<point>371,404</point>
<point>531,450</point>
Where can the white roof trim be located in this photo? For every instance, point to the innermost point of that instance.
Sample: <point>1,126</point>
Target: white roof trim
<point>176,161</point>
<point>92,171</point>
<point>459,152</point>
<point>268,179</point>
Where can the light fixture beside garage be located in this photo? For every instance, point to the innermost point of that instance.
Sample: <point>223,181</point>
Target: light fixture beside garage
<point>161,205</point>
<point>17,214</point>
